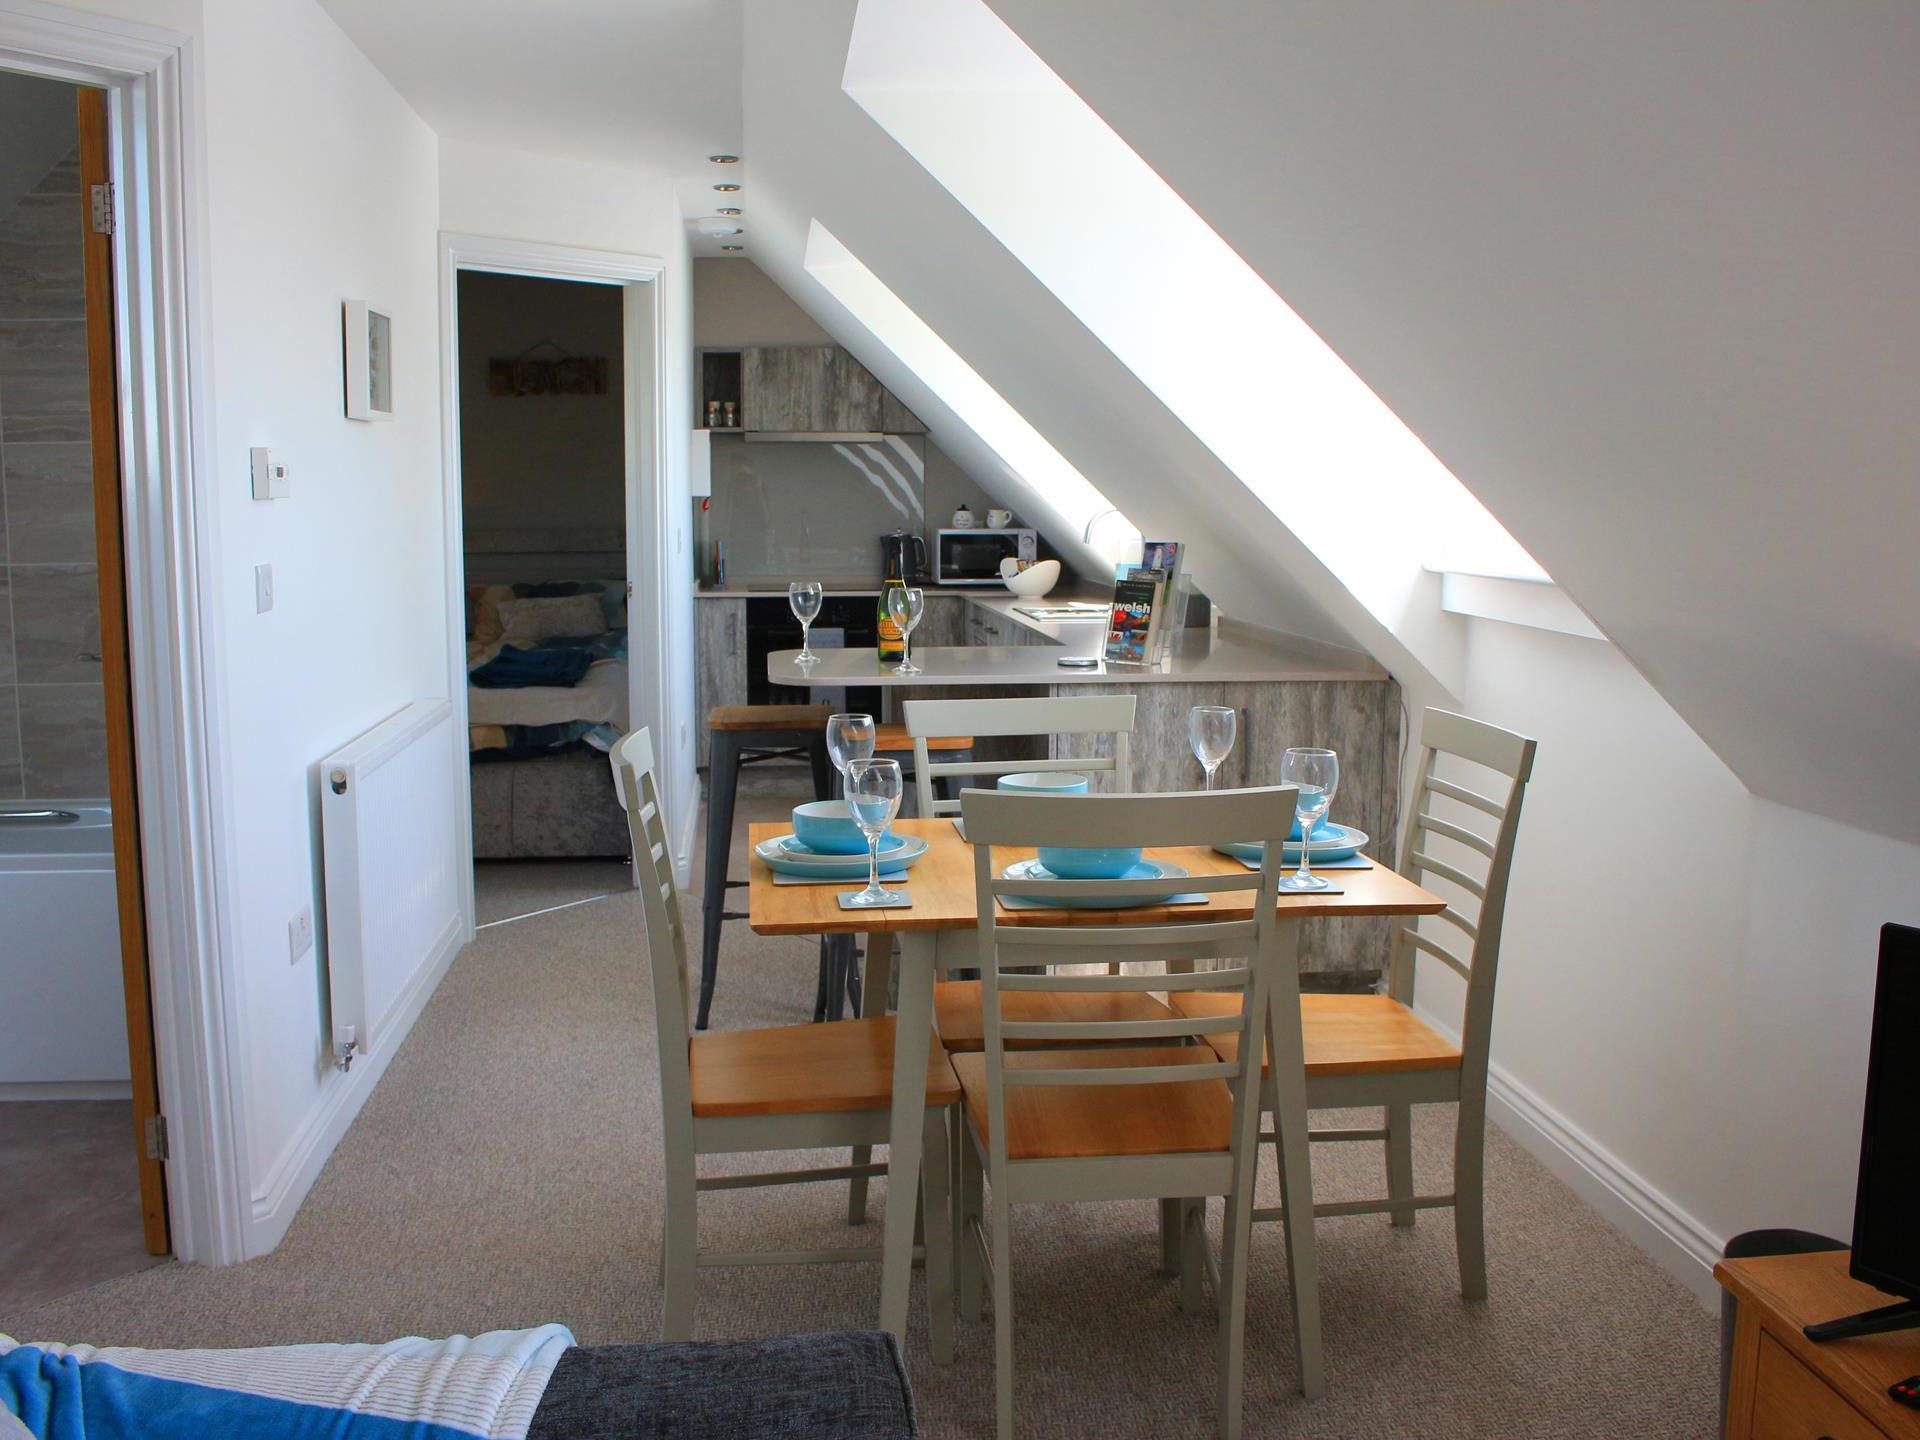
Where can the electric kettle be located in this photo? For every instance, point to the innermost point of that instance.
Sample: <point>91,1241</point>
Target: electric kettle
<point>904,554</point>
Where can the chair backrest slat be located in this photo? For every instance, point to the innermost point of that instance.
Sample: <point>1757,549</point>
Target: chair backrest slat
<point>666,941</point>
<point>995,818</point>
<point>1077,715</point>
<point>1448,738</point>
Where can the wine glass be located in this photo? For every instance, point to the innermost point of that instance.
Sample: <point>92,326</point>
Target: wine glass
<point>1210,730</point>
<point>849,738</point>
<point>1316,776</point>
<point>873,795</point>
<point>906,606</point>
<point>804,597</point>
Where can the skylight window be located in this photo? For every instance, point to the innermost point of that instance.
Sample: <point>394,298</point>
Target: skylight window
<point>980,407</point>
<point>988,119</point>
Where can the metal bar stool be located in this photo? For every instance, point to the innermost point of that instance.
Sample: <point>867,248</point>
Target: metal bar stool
<point>748,735</point>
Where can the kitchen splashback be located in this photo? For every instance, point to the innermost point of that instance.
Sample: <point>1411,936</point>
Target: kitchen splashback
<point>816,511</point>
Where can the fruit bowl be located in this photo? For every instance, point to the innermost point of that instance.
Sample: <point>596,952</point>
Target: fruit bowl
<point>1034,581</point>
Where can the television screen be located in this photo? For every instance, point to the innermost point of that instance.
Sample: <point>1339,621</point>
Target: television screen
<point>1886,1212</point>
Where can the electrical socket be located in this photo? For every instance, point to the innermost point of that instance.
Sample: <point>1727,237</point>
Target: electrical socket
<point>299,934</point>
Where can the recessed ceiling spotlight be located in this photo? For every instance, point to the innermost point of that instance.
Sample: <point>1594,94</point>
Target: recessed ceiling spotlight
<point>733,247</point>
<point>726,189</point>
<point>731,210</point>
<point>724,159</point>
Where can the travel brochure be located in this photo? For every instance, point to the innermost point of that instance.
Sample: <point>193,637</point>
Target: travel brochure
<point>1141,623</point>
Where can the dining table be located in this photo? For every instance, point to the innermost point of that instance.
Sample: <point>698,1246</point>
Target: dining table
<point>937,932</point>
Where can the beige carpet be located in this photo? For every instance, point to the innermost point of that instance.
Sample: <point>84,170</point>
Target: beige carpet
<point>504,1175</point>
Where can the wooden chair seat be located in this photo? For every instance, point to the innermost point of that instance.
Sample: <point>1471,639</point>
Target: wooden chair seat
<point>1071,1122</point>
<point>893,739</point>
<point>806,1069</point>
<point>769,717</point>
<point>1343,1034</point>
<point>956,1009</point>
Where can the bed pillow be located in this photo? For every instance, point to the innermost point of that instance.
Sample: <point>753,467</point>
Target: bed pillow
<point>528,622</point>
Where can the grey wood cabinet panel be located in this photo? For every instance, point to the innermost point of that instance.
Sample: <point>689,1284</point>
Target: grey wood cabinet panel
<point>944,623</point>
<point>897,419</point>
<point>720,627</point>
<point>816,389</point>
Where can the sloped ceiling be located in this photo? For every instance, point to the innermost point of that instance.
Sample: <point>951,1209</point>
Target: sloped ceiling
<point>814,154</point>
<point>1641,274</point>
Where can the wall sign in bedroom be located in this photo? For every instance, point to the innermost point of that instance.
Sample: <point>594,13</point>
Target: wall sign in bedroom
<point>559,373</point>
<point>369,354</point>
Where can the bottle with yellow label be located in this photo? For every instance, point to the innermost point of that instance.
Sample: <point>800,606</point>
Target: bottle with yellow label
<point>893,644</point>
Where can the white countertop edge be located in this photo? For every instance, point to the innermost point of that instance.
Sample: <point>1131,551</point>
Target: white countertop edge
<point>961,665</point>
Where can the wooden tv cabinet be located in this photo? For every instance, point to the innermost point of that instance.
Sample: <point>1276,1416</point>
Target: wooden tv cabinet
<point>1784,1386</point>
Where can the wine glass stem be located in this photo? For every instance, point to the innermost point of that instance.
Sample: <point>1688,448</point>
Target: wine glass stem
<point>806,637</point>
<point>1210,772</point>
<point>873,864</point>
<point>1305,872</point>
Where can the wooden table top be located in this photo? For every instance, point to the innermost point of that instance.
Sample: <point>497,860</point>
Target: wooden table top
<point>1807,1289</point>
<point>942,888</point>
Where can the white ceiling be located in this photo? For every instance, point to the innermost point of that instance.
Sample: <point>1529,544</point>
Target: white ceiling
<point>650,85</point>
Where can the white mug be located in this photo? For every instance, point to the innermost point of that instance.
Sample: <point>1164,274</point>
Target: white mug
<point>999,519</point>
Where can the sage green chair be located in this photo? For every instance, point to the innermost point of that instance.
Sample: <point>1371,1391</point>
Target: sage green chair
<point>793,1087</point>
<point>1047,1126</point>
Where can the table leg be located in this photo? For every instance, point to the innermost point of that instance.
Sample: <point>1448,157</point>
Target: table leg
<point>912,1036</point>
<point>1285,1045</point>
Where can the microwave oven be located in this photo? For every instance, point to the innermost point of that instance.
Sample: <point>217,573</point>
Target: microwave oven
<point>972,557</point>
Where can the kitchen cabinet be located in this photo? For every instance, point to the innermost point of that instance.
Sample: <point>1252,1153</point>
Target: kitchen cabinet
<point>944,623</point>
<point>987,626</point>
<point>720,676</point>
<point>801,389</point>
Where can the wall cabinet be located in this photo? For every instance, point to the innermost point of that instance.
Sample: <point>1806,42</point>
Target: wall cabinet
<point>801,389</point>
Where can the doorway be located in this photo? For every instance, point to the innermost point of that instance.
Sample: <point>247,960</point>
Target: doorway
<point>81,1146</point>
<point>552,452</point>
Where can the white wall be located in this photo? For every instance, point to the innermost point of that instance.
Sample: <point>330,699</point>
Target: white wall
<point>1689,1017</point>
<point>510,194</point>
<point>320,186</point>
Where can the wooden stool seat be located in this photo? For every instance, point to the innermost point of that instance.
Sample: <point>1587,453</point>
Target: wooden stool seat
<point>768,717</point>
<point>1344,1034</point>
<point>1071,1122</point>
<point>956,1009</point>
<point>892,739</point>
<point>806,1070</point>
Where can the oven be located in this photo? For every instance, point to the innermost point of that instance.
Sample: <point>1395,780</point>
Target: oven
<point>972,557</point>
<point>849,621</point>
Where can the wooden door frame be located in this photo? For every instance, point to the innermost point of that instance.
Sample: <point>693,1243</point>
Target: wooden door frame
<point>161,419</point>
<point>116,661</point>
<point>643,372</point>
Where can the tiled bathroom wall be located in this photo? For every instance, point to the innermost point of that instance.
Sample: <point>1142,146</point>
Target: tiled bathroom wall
<point>52,710</point>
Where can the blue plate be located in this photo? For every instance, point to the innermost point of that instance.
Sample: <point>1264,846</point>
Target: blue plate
<point>794,847</point>
<point>1145,870</point>
<point>1345,843</point>
<point>782,861</point>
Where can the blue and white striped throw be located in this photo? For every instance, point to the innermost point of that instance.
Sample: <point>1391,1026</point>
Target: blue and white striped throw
<point>482,1388</point>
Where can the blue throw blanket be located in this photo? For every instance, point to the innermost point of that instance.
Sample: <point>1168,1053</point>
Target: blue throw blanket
<point>484,1388</point>
<point>515,669</point>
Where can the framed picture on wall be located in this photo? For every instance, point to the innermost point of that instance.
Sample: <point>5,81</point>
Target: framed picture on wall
<point>369,361</point>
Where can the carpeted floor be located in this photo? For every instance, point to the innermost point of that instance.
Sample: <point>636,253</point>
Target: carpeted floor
<point>503,1175</point>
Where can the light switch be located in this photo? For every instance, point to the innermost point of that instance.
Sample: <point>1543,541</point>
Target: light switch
<point>270,480</point>
<point>262,589</point>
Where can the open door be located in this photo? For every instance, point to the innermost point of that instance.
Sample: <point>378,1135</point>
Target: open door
<point>98,221</point>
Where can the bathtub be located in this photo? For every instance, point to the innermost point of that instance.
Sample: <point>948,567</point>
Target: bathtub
<point>63,1030</point>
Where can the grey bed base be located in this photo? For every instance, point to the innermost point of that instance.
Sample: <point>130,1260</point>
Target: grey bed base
<point>548,807</point>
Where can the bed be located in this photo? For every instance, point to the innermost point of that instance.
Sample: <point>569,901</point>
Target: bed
<point>546,696</point>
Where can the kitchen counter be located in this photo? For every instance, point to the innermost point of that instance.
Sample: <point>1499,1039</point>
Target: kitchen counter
<point>1233,654</point>
<point>771,590</point>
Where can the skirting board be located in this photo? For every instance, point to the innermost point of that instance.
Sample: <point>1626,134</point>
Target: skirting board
<point>1670,1237</point>
<point>276,1200</point>
<point>65,1090</point>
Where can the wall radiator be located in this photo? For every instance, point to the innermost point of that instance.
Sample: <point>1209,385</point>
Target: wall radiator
<point>390,803</point>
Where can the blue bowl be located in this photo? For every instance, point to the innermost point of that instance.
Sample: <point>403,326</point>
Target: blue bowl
<point>1045,782</point>
<point>827,827</point>
<point>1325,830</point>
<point>1073,863</point>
